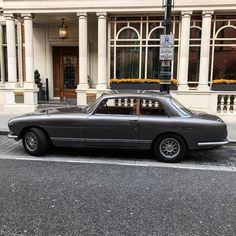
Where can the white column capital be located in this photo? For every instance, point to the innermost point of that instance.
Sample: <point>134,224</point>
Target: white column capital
<point>27,16</point>
<point>101,15</point>
<point>186,13</point>
<point>207,13</point>
<point>9,16</point>
<point>82,15</point>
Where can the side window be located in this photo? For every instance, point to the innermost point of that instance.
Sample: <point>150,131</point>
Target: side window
<point>119,106</point>
<point>151,107</point>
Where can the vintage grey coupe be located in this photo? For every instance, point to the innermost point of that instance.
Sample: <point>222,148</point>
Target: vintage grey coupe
<point>136,120</point>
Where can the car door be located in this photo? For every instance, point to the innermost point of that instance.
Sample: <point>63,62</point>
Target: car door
<point>153,120</point>
<point>113,124</point>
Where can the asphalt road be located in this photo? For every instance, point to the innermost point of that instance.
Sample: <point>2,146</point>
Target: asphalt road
<point>52,198</point>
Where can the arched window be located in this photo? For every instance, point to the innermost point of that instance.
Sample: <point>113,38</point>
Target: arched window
<point>224,52</point>
<point>128,33</point>
<point>134,44</point>
<point>156,32</point>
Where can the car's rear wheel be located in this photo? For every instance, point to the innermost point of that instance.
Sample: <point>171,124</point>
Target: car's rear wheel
<point>169,148</point>
<point>35,142</point>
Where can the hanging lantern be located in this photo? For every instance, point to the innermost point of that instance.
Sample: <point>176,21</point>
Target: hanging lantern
<point>63,31</point>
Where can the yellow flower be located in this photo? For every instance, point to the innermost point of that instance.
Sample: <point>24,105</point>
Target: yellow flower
<point>137,80</point>
<point>224,81</point>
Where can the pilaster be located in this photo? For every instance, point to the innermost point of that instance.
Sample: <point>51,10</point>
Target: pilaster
<point>205,51</point>
<point>29,51</point>
<point>11,49</point>
<point>102,51</point>
<point>83,51</point>
<point>184,51</point>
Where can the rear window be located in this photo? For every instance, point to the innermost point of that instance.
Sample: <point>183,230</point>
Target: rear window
<point>185,111</point>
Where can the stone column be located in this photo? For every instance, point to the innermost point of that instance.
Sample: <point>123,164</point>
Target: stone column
<point>184,51</point>
<point>83,51</point>
<point>11,50</point>
<point>29,51</point>
<point>205,51</point>
<point>102,51</point>
<point>2,67</point>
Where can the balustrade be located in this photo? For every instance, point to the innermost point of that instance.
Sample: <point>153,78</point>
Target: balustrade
<point>226,104</point>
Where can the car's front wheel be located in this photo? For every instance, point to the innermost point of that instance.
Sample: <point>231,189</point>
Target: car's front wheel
<point>169,148</point>
<point>35,142</point>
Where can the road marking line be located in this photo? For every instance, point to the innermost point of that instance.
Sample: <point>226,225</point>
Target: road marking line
<point>86,160</point>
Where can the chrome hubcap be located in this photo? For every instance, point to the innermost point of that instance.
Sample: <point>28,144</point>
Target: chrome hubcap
<point>31,141</point>
<point>169,147</point>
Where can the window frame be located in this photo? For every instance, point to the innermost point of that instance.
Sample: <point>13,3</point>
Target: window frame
<point>123,97</point>
<point>144,41</point>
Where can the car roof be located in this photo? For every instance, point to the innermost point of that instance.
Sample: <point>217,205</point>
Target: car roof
<point>135,93</point>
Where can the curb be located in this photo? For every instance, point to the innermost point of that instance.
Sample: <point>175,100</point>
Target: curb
<point>232,143</point>
<point>4,132</point>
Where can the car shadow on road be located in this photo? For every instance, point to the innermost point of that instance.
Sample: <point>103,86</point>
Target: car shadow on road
<point>220,156</point>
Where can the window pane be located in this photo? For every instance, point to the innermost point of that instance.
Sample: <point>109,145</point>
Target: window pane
<point>151,107</point>
<point>195,33</point>
<point>121,106</point>
<point>128,42</point>
<point>127,62</point>
<point>153,64</point>
<point>224,63</point>
<point>5,63</point>
<point>156,33</point>
<point>69,71</point>
<point>175,62</point>
<point>128,34</point>
<point>112,64</point>
<point>4,34</point>
<point>194,62</point>
<point>227,32</point>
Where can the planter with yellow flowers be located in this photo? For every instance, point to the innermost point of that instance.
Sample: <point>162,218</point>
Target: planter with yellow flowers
<point>224,85</point>
<point>139,84</point>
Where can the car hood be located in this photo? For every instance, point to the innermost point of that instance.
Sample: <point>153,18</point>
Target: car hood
<point>45,112</point>
<point>57,110</point>
<point>206,116</point>
<point>64,110</point>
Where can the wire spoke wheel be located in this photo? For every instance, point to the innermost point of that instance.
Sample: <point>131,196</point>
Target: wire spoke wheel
<point>169,147</point>
<point>31,141</point>
<point>35,142</point>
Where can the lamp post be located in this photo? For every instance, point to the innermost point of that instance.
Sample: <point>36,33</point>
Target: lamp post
<point>166,49</point>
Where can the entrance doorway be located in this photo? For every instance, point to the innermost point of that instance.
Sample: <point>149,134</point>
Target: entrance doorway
<point>65,71</point>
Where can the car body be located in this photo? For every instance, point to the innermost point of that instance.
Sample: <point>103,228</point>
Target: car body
<point>131,119</point>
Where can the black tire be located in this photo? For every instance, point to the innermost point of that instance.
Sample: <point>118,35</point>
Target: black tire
<point>35,142</point>
<point>169,148</point>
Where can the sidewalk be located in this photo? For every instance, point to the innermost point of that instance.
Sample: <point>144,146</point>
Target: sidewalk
<point>230,123</point>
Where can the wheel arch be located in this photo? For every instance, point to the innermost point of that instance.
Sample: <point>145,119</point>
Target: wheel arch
<point>23,131</point>
<point>170,133</point>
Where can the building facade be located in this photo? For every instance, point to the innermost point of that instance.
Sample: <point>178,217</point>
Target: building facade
<point>112,43</point>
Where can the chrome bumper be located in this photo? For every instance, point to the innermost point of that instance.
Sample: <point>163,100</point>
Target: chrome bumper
<point>213,143</point>
<point>13,136</point>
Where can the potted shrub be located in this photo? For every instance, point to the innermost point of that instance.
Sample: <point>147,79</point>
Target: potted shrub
<point>37,81</point>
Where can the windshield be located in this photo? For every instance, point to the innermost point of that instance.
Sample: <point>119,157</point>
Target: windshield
<point>89,108</point>
<point>185,111</point>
